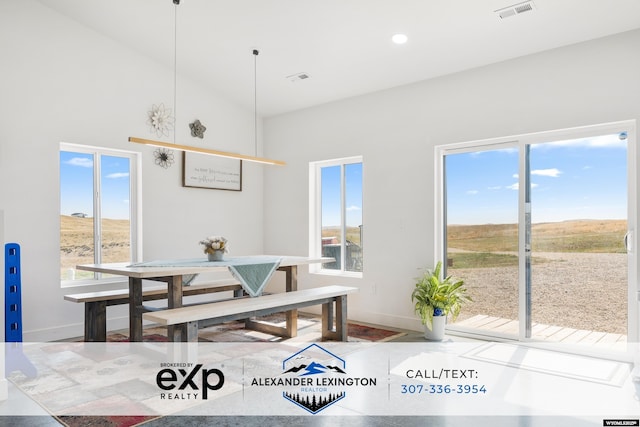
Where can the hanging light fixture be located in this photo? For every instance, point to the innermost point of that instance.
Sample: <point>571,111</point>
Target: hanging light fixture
<point>192,149</point>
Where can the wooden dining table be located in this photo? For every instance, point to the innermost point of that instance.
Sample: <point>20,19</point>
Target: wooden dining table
<point>172,276</point>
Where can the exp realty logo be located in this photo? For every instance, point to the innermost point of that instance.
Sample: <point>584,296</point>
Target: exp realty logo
<point>187,381</point>
<point>314,379</point>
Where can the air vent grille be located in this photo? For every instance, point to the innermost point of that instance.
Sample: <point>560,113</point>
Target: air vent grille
<point>298,76</point>
<point>515,9</point>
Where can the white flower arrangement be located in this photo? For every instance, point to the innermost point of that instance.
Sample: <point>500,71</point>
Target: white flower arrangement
<point>214,243</point>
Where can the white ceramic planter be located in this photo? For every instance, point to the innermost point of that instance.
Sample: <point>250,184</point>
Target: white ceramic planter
<point>437,333</point>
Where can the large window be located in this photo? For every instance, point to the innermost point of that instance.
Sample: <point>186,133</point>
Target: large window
<point>98,209</point>
<point>336,214</point>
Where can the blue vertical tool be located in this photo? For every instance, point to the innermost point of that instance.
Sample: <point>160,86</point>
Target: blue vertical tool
<point>12,293</point>
<point>15,359</point>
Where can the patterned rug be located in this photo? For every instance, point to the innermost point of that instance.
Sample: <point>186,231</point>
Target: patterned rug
<point>308,330</point>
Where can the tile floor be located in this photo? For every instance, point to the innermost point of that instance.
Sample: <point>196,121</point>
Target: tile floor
<point>36,416</point>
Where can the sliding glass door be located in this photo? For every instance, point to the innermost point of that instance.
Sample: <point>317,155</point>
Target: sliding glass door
<point>579,271</point>
<point>540,228</point>
<point>482,235</point>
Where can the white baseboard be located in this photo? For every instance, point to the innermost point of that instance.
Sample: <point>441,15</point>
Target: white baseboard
<point>4,389</point>
<point>393,321</point>
<point>68,332</point>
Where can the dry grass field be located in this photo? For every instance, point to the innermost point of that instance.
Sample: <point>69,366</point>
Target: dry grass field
<point>353,233</point>
<point>76,242</point>
<point>579,272</point>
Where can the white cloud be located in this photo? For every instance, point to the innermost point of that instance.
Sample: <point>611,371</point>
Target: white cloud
<point>353,208</point>
<point>80,161</point>
<point>472,192</point>
<point>553,172</point>
<point>516,186</point>
<point>515,175</point>
<point>497,187</point>
<point>117,175</point>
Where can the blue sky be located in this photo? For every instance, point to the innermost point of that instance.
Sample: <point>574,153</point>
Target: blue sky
<point>76,184</point>
<point>573,179</point>
<point>331,195</point>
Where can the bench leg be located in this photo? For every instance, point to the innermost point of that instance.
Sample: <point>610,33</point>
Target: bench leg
<point>183,332</point>
<point>191,331</point>
<point>95,321</point>
<point>341,331</point>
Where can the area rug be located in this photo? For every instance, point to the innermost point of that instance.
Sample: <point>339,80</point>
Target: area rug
<point>308,328</point>
<point>567,365</point>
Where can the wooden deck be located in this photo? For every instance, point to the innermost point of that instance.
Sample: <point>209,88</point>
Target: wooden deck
<point>550,333</point>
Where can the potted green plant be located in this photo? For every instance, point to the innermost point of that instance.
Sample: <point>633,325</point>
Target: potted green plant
<point>436,299</point>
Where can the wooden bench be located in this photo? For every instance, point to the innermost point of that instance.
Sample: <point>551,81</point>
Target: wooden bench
<point>187,320</point>
<point>96,303</point>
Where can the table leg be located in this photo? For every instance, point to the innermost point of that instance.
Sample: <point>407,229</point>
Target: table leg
<point>135,309</point>
<point>291,284</point>
<point>177,333</point>
<point>341,318</point>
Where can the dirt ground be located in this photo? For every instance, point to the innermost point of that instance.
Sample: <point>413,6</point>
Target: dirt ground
<point>575,290</point>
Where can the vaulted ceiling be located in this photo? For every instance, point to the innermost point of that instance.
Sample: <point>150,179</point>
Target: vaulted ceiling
<point>343,46</point>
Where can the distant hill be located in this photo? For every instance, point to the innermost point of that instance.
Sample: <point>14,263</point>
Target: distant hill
<point>76,240</point>
<point>606,236</point>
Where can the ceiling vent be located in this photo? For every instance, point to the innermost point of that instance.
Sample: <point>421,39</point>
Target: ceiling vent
<point>516,9</point>
<point>299,76</point>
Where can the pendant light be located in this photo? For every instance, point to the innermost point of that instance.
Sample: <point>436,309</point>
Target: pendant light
<point>218,153</point>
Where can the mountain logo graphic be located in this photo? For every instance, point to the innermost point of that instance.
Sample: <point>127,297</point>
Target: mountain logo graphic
<point>320,366</point>
<point>314,368</point>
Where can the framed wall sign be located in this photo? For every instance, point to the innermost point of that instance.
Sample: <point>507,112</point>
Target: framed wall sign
<point>203,171</point>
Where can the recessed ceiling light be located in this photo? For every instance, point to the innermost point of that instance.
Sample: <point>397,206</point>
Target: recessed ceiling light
<point>399,38</point>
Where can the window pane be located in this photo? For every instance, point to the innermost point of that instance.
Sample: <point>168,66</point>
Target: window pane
<point>76,214</point>
<point>115,212</point>
<point>353,208</point>
<point>482,236</point>
<point>579,212</point>
<point>331,215</point>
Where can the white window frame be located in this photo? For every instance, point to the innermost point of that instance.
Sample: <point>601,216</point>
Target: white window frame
<point>135,206</point>
<point>315,214</point>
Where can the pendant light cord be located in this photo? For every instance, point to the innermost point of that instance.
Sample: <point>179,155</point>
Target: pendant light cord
<point>175,67</point>
<point>255,99</point>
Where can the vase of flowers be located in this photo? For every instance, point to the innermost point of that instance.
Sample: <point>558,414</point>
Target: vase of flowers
<point>215,247</point>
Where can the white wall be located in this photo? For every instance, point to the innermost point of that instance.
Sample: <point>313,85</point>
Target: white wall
<point>60,81</point>
<point>396,131</point>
